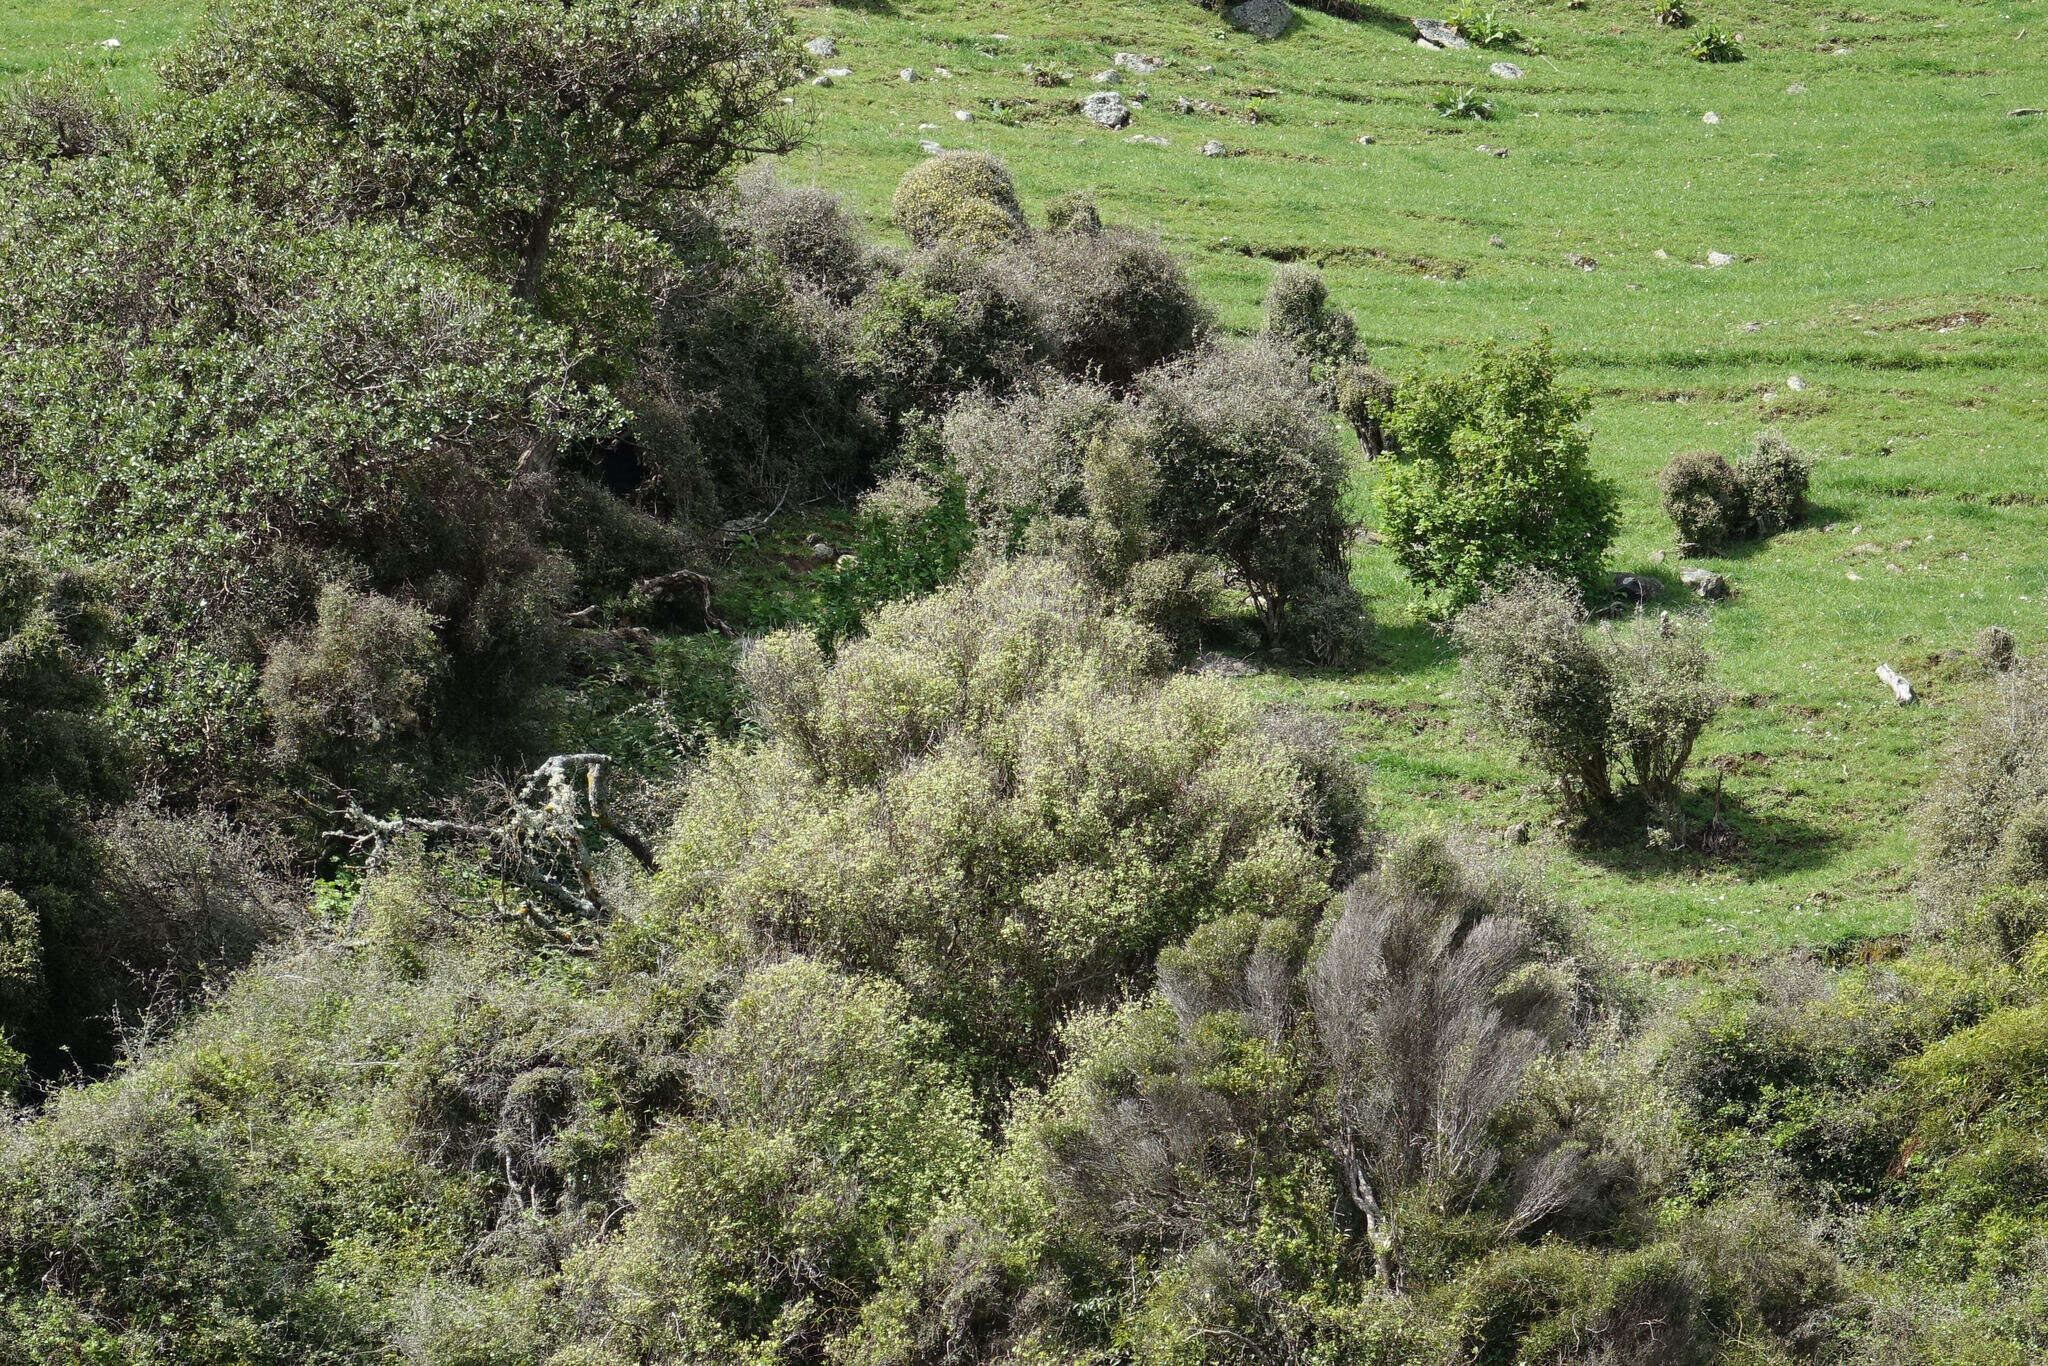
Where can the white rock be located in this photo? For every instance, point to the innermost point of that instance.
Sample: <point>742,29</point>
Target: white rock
<point>1507,71</point>
<point>941,73</point>
<point>822,47</point>
<point>822,82</point>
<point>1425,43</point>
<point>1710,117</point>
<point>1151,142</point>
<point>1794,383</point>
<point>1440,34</point>
<point>1799,88</point>
<point>1213,148</point>
<point>963,115</point>
<point>837,72</point>
<point>907,74</point>
<point>1106,109</point>
<point>1137,63</point>
<point>110,43</point>
<point>1661,254</point>
<point>930,148</point>
<point>1111,77</point>
<point>1366,140</point>
<point>1720,258</point>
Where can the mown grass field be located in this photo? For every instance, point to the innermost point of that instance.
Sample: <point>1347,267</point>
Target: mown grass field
<point>1886,216</point>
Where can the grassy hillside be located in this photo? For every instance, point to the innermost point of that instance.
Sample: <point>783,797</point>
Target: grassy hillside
<point>1884,212</point>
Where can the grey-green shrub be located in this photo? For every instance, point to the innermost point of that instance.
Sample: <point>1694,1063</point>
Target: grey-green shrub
<point>1703,499</point>
<point>1299,314</point>
<point>1774,475</point>
<point>1984,825</point>
<point>961,199</point>
<point>1114,302</point>
<point>809,233</point>
<point>947,323</point>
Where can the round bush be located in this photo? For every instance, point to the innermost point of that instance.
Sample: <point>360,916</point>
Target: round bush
<point>1115,302</point>
<point>1773,475</point>
<point>947,324</point>
<point>963,198</point>
<point>1365,399</point>
<point>1073,212</point>
<point>1298,314</point>
<point>809,233</point>
<point>1703,499</point>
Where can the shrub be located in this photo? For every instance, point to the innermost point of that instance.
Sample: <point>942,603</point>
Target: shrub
<point>1487,28</point>
<point>992,776</point>
<point>1674,14</point>
<point>1114,302</point>
<point>1984,827</point>
<point>1491,474</point>
<point>1581,702</point>
<point>1703,499</point>
<point>1019,456</point>
<point>1298,314</point>
<point>1463,104</point>
<point>1773,475</point>
<point>57,116</point>
<point>1250,472</point>
<point>358,678</point>
<point>948,323</point>
<point>1365,400</point>
<point>1072,212</point>
<point>1713,45</point>
<point>483,109</point>
<point>961,199</point>
<point>808,232</point>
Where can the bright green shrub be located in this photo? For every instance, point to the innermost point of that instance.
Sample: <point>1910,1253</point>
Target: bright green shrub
<point>994,778</point>
<point>959,199</point>
<point>1114,302</point>
<point>1492,474</point>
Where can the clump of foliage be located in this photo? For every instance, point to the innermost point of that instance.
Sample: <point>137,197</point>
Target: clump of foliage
<point>1984,829</point>
<point>1583,702</point>
<point>949,322</point>
<point>808,232</point>
<point>970,784</point>
<point>963,199</point>
<point>1251,473</point>
<point>1072,211</point>
<point>1492,474</point>
<point>1711,503</point>
<point>1489,28</point>
<point>1113,302</point>
<point>1463,104</point>
<point>1299,315</point>
<point>57,116</point>
<point>1674,14</point>
<point>1713,45</point>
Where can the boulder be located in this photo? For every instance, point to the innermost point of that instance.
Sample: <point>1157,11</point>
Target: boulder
<point>822,47</point>
<point>1507,71</point>
<point>1106,109</point>
<point>908,73</point>
<point>1213,148</point>
<point>1262,18</point>
<point>1636,588</point>
<point>1705,582</point>
<point>1720,258</point>
<point>1137,63</point>
<point>1437,33</point>
<point>822,82</point>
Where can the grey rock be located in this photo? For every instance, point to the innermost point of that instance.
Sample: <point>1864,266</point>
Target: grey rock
<point>1720,258</point>
<point>1366,139</point>
<point>822,47</point>
<point>1106,109</point>
<point>1795,89</point>
<point>1213,148</point>
<point>1149,141</point>
<point>1137,63</point>
<point>1705,582</point>
<point>822,82</point>
<point>907,74</point>
<point>1262,18</point>
<point>930,148</point>
<point>1507,71</point>
<point>1110,77</point>
<point>822,552</point>
<point>1710,117</point>
<point>1425,43</point>
<point>1437,33</point>
<point>1518,833</point>
<point>963,115</point>
<point>1495,241</point>
<point>837,73</point>
<point>1636,587</point>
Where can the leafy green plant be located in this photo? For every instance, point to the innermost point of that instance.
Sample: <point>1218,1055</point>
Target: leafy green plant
<point>1713,45</point>
<point>1487,28</point>
<point>1463,104</point>
<point>1674,14</point>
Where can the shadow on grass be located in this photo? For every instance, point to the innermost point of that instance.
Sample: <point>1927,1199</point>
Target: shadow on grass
<point>1762,846</point>
<point>1397,651</point>
<point>1368,16</point>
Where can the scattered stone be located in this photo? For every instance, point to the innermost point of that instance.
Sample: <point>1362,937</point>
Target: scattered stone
<point>941,73</point>
<point>1794,383</point>
<point>1213,148</point>
<point>1110,77</point>
<point>1896,681</point>
<point>1220,665</point>
<point>1106,109</point>
<point>822,47</point>
<point>1796,88</point>
<point>1507,71</point>
<point>1262,18</point>
<point>1149,141</point>
<point>1661,254</point>
<point>1494,152</point>
<point>1137,63</point>
<point>822,82</point>
<point>1636,587</point>
<point>1583,262</point>
<point>1710,117</point>
<point>822,552</point>
<point>1427,45</point>
<point>1852,576</point>
<point>1656,557</point>
<point>1705,582</point>
<point>1206,70</point>
<point>1720,258</point>
<point>963,115</point>
<point>1518,833</point>
<point>907,74</point>
<point>930,148</point>
<point>1437,33</point>
<point>110,43</point>
<point>1494,241</point>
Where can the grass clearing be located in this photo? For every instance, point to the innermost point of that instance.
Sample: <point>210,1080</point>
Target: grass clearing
<point>1885,215</point>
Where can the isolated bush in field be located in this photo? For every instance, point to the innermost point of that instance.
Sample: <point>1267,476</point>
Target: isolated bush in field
<point>1996,649</point>
<point>1492,473</point>
<point>1114,302</point>
<point>362,673</point>
<point>1674,14</point>
<point>1638,695</point>
<point>1463,104</point>
<point>960,199</point>
<point>1703,499</point>
<point>1298,314</point>
<point>993,776</point>
<point>948,323</point>
<point>1249,471</point>
<point>827,1130</point>
<point>1072,212</point>
<point>1773,475</point>
<point>58,116</point>
<point>1984,828</point>
<point>1713,45</point>
<point>808,232</point>
<point>483,110</point>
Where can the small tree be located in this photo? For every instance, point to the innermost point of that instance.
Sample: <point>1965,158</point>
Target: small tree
<point>1492,473</point>
<point>1637,695</point>
<point>513,115</point>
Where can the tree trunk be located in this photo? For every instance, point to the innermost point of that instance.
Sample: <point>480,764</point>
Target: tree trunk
<point>533,253</point>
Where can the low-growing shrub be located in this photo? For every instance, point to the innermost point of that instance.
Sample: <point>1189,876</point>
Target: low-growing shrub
<point>1703,499</point>
<point>1984,827</point>
<point>57,116</point>
<point>1298,314</point>
<point>1074,212</point>
<point>1113,302</point>
<point>808,232</point>
<point>1774,475</point>
<point>1713,45</point>
<point>947,323</point>
<point>963,199</point>
<point>1463,104</point>
<point>355,682</point>
<point>1491,473</point>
